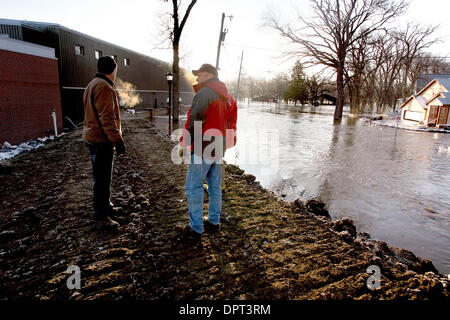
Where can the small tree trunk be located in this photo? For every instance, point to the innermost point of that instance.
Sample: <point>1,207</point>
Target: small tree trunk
<point>355,97</point>
<point>176,82</point>
<point>340,91</point>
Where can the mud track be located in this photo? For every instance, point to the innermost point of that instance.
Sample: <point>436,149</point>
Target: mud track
<point>267,248</point>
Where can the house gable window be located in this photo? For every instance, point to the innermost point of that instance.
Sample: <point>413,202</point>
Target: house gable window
<point>114,57</point>
<point>126,61</point>
<point>98,54</point>
<point>79,50</point>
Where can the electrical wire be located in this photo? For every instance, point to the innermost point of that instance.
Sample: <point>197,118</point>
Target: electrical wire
<point>229,64</point>
<point>250,47</point>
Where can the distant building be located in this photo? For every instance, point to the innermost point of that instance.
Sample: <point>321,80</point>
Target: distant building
<point>430,106</point>
<point>265,99</point>
<point>77,55</point>
<point>327,99</point>
<point>29,91</point>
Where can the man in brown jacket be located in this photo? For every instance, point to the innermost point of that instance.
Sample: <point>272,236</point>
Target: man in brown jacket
<point>102,134</point>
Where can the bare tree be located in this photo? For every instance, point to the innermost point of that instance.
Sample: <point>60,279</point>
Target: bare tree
<point>389,56</point>
<point>172,27</point>
<point>427,64</point>
<point>414,39</point>
<point>384,67</point>
<point>357,73</point>
<point>251,87</point>
<point>335,26</point>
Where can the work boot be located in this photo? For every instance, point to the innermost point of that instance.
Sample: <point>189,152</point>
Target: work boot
<point>108,223</point>
<point>211,228</point>
<point>188,232</point>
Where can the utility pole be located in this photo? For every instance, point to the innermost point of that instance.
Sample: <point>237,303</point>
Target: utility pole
<point>239,77</point>
<point>222,35</point>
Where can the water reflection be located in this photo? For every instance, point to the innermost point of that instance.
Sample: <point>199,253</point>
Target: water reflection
<point>394,187</point>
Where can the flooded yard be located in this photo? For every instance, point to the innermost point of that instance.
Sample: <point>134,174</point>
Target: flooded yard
<point>394,188</point>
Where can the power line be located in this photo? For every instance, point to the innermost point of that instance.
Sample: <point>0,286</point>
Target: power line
<point>249,47</point>
<point>230,64</point>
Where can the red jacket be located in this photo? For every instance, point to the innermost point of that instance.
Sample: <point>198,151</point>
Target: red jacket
<point>231,139</point>
<point>216,109</point>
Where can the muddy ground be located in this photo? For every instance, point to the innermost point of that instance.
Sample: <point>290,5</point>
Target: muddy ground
<point>267,248</point>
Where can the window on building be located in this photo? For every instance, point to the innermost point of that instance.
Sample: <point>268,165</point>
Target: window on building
<point>114,57</point>
<point>79,50</point>
<point>98,54</point>
<point>126,61</point>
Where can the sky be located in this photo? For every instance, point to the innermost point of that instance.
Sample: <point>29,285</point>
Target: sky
<point>134,24</point>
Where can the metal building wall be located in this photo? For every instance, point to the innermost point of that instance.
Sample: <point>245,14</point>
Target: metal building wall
<point>146,74</point>
<point>13,31</point>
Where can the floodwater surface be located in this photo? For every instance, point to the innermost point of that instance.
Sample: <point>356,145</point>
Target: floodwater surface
<point>396,187</point>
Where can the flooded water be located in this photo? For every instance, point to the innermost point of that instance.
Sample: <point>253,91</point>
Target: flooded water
<point>394,188</point>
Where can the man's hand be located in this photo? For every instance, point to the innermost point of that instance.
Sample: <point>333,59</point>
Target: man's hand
<point>120,147</point>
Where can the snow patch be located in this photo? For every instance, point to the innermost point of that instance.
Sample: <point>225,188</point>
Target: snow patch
<point>406,125</point>
<point>8,151</point>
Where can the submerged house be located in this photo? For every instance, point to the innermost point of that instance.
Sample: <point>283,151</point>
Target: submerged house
<point>430,106</point>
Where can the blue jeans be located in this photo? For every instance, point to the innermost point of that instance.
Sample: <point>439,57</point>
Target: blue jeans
<point>209,170</point>
<point>102,158</point>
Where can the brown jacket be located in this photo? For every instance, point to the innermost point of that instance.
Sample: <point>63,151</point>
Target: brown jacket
<point>106,103</point>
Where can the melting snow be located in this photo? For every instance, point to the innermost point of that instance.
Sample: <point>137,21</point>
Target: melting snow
<point>8,151</point>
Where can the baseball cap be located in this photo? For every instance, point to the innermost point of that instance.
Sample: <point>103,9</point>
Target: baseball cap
<point>206,67</point>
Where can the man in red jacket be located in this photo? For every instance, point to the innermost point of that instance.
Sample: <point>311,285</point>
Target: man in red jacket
<point>205,135</point>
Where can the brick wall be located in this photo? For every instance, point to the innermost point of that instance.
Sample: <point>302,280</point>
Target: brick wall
<point>29,89</point>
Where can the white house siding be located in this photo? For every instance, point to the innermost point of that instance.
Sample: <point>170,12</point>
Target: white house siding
<point>413,110</point>
<point>432,90</point>
<point>435,102</point>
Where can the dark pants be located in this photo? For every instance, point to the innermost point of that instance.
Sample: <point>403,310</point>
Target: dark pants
<point>102,156</point>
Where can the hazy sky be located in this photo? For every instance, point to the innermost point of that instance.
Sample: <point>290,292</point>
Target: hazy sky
<point>133,24</point>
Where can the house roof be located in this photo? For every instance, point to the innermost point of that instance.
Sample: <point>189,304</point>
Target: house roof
<point>406,101</point>
<point>432,76</point>
<point>427,86</point>
<point>422,101</point>
<point>443,98</point>
<point>445,82</point>
<point>419,99</point>
<point>424,79</point>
